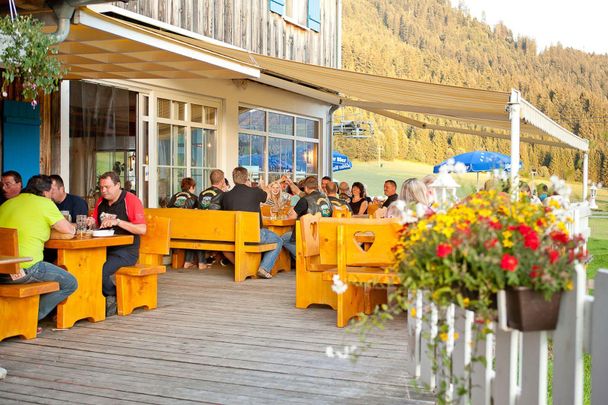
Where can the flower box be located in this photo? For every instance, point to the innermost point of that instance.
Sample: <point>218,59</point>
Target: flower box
<point>528,310</point>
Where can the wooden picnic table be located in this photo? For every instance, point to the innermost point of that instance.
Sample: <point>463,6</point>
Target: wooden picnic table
<point>279,226</point>
<point>84,258</point>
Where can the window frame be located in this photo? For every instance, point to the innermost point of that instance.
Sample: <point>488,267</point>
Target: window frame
<point>267,134</point>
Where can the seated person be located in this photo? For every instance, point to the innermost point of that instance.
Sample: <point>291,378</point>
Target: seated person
<point>390,191</point>
<point>312,202</point>
<point>122,211</point>
<point>187,199</point>
<point>359,200</point>
<point>344,193</point>
<point>211,198</point>
<point>34,214</point>
<point>11,185</point>
<point>276,196</point>
<point>332,190</point>
<point>324,182</point>
<point>245,198</point>
<point>65,201</point>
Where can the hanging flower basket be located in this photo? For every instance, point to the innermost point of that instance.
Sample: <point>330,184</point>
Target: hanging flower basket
<point>529,310</point>
<point>26,54</point>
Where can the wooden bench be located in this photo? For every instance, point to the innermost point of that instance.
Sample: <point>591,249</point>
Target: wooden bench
<point>18,302</point>
<point>310,287</point>
<point>362,250</point>
<point>223,231</point>
<point>137,286</point>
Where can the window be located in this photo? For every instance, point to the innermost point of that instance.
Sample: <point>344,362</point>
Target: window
<point>186,145</point>
<point>306,13</point>
<point>272,144</point>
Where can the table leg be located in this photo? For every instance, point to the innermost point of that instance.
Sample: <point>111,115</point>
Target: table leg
<point>87,301</point>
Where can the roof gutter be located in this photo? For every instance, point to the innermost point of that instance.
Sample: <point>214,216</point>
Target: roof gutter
<point>64,10</point>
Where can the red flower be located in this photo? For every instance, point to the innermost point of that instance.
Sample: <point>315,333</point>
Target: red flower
<point>524,229</point>
<point>535,271</point>
<point>531,240</point>
<point>560,237</point>
<point>512,227</point>
<point>553,255</point>
<point>489,244</point>
<point>508,262</point>
<point>496,225</point>
<point>443,249</point>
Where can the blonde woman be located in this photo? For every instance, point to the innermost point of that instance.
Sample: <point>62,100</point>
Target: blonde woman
<point>413,191</point>
<point>276,196</point>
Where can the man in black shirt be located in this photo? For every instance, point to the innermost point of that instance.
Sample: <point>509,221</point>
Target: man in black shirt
<point>312,202</point>
<point>211,198</point>
<point>390,191</point>
<point>245,198</point>
<point>65,201</point>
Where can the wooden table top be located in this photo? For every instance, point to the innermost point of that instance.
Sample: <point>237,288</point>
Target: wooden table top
<point>278,222</point>
<point>14,259</point>
<point>115,240</point>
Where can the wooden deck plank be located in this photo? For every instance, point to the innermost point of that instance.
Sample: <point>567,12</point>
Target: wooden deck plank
<point>211,341</point>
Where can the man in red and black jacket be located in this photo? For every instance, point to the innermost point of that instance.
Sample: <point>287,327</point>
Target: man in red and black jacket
<point>122,211</point>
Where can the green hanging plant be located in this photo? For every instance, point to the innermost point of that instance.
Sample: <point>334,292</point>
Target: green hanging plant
<point>26,53</point>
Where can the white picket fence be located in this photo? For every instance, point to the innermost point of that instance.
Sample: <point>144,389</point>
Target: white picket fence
<point>515,370</point>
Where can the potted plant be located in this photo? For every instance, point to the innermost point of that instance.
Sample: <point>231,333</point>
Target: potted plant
<point>26,54</point>
<point>465,255</point>
<point>487,243</point>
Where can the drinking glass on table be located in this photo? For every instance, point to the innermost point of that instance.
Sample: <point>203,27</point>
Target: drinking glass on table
<point>274,212</point>
<point>81,225</point>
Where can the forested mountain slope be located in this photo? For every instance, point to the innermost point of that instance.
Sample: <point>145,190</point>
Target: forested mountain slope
<point>428,40</point>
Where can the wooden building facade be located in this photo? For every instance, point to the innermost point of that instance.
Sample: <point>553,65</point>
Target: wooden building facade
<point>306,31</point>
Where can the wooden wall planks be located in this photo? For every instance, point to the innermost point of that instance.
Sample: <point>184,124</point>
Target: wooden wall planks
<point>249,24</point>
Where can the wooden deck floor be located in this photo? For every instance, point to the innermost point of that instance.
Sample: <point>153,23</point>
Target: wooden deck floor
<point>210,341</point>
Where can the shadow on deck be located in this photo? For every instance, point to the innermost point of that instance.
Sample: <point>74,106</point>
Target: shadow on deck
<point>210,341</point>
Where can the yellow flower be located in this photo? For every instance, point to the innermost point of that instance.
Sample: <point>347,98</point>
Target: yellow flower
<point>466,302</point>
<point>554,203</point>
<point>485,213</point>
<point>443,336</point>
<point>413,312</point>
<point>456,336</point>
<point>507,234</point>
<point>569,286</point>
<point>507,243</point>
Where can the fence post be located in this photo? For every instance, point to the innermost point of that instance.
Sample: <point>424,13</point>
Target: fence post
<point>414,328</point>
<point>461,357</point>
<point>534,368</point>
<point>568,344</point>
<point>482,374</point>
<point>429,331</point>
<point>599,334</point>
<point>504,387</point>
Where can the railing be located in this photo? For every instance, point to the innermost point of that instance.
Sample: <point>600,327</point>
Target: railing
<point>515,370</point>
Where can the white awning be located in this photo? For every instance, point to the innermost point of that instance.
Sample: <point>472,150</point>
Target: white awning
<point>101,46</point>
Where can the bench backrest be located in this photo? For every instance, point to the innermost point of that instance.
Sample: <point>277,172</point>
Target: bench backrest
<point>328,231</point>
<point>156,240</point>
<point>9,246</point>
<point>210,225</point>
<point>385,236</point>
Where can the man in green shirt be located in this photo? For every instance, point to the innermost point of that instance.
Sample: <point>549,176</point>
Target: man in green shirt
<point>34,214</point>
